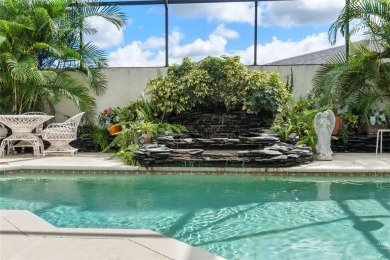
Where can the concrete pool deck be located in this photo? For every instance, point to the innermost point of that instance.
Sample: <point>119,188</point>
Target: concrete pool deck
<point>23,235</point>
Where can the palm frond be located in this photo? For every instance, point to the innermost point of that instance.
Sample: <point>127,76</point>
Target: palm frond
<point>67,87</point>
<point>110,13</point>
<point>374,16</point>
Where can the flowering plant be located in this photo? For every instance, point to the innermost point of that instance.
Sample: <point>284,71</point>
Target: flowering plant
<point>110,115</point>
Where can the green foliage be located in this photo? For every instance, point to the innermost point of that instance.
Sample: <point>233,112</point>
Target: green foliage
<point>290,84</point>
<point>264,98</point>
<point>166,128</point>
<point>126,137</point>
<point>227,79</point>
<point>181,89</point>
<point>126,155</point>
<point>356,84</point>
<point>140,120</point>
<point>350,121</point>
<point>349,125</point>
<point>370,17</point>
<point>265,93</point>
<point>114,116</point>
<point>215,81</point>
<point>141,109</point>
<point>98,135</point>
<point>297,116</point>
<point>147,127</point>
<point>364,76</point>
<point>41,50</point>
<point>386,112</point>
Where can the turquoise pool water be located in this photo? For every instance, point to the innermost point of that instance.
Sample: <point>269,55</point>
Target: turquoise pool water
<point>234,216</point>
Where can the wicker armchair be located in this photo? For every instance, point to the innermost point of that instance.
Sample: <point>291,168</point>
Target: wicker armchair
<point>3,131</point>
<point>23,143</point>
<point>61,134</point>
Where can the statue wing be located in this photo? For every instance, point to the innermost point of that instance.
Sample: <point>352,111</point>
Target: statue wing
<point>317,121</point>
<point>332,120</point>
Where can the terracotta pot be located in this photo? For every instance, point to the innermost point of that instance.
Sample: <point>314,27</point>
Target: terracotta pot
<point>337,126</point>
<point>147,138</point>
<point>114,129</point>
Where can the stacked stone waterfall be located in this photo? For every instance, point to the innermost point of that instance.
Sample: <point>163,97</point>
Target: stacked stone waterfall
<point>265,151</point>
<point>220,138</point>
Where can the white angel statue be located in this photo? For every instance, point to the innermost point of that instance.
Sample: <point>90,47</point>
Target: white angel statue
<point>323,125</point>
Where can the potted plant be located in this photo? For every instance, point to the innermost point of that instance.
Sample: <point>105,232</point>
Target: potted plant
<point>146,129</point>
<point>377,117</point>
<point>376,120</point>
<point>349,125</point>
<point>350,121</point>
<point>111,118</point>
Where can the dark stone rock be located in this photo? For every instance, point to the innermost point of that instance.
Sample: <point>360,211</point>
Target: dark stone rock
<point>360,144</point>
<point>280,157</point>
<point>265,152</point>
<point>196,152</point>
<point>161,155</point>
<point>275,155</point>
<point>219,123</point>
<point>243,153</point>
<point>157,150</point>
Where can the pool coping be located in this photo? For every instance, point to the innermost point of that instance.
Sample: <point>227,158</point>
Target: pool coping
<point>344,164</point>
<point>203,171</point>
<point>24,235</point>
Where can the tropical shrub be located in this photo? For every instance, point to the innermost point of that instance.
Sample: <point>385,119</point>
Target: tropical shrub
<point>126,155</point>
<point>181,89</point>
<point>41,50</point>
<point>227,80</point>
<point>364,75</point>
<point>113,115</point>
<point>265,92</point>
<point>297,117</point>
<point>98,135</point>
<point>214,82</point>
<point>140,119</point>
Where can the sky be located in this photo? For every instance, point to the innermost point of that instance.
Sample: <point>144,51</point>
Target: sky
<point>285,29</point>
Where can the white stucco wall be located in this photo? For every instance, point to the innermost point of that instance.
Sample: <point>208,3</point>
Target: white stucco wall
<point>124,85</point>
<point>303,75</point>
<point>127,84</point>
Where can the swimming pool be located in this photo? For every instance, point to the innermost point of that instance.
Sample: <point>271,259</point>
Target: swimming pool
<point>234,216</point>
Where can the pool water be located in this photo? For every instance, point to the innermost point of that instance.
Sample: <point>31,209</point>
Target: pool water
<point>234,216</point>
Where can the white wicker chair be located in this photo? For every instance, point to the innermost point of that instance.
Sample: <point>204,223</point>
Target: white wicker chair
<point>61,134</point>
<point>22,144</point>
<point>3,131</point>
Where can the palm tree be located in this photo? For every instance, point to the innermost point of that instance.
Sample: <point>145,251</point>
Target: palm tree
<point>372,17</point>
<point>363,78</point>
<point>43,57</point>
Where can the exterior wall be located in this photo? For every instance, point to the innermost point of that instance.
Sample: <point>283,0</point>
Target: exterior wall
<point>303,76</point>
<point>128,84</point>
<point>124,85</point>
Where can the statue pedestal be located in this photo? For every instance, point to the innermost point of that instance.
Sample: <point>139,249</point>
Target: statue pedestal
<point>324,158</point>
